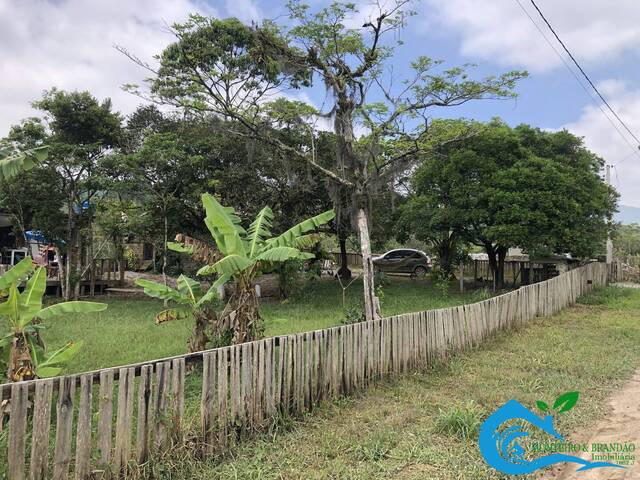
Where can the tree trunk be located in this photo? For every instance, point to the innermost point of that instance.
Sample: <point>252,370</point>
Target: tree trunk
<point>20,362</point>
<point>199,338</point>
<point>122,262</point>
<point>502,254</point>
<point>446,249</point>
<point>497,255</point>
<point>164,250</point>
<point>65,280</point>
<point>344,271</point>
<point>77,274</point>
<point>493,263</point>
<point>371,304</point>
<point>243,313</point>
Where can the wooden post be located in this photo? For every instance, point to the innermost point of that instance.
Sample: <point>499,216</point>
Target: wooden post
<point>17,431</point>
<point>531,272</point>
<point>83,433</point>
<point>41,429</point>
<point>64,424</point>
<point>92,279</point>
<point>475,273</point>
<point>145,413</point>
<point>105,419</point>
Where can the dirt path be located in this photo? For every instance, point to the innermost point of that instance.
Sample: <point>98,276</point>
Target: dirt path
<point>621,424</point>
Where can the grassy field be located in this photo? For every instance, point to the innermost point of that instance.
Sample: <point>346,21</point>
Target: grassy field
<point>125,333</point>
<point>423,426</point>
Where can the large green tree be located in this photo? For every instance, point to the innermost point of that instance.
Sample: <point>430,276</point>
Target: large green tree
<point>522,187</point>
<point>169,162</point>
<point>233,71</point>
<point>80,132</point>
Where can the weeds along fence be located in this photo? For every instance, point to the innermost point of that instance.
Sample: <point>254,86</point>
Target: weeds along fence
<point>99,424</point>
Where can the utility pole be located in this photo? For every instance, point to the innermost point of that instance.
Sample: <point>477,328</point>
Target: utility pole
<point>609,242</point>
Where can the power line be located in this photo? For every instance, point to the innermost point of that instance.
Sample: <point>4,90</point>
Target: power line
<point>634,150</point>
<point>584,73</point>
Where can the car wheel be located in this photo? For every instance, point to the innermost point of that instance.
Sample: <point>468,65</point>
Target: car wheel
<point>419,271</point>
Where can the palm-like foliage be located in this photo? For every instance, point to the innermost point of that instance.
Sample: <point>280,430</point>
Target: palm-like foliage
<point>252,251</point>
<point>247,253</point>
<point>191,301</point>
<point>22,350</point>
<point>13,161</point>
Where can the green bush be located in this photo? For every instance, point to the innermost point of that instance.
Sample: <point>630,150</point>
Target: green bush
<point>463,422</point>
<point>353,314</point>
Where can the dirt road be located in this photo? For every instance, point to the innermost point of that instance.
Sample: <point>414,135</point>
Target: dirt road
<point>621,424</point>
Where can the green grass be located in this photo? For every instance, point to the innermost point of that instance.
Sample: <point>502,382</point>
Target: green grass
<point>125,333</point>
<point>422,426</point>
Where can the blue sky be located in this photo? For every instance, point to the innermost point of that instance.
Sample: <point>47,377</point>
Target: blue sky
<point>69,44</point>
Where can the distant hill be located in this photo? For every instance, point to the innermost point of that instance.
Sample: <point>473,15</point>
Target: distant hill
<point>627,215</point>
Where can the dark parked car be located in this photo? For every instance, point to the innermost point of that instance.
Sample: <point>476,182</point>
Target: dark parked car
<point>403,260</point>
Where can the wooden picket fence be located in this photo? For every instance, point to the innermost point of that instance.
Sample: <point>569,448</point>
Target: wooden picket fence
<point>244,387</point>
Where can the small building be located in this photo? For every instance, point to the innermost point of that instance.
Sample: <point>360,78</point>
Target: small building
<point>521,269</point>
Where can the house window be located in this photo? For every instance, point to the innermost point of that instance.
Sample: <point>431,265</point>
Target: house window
<point>147,251</point>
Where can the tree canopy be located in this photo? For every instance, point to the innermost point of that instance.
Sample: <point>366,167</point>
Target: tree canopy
<point>235,72</point>
<point>513,187</point>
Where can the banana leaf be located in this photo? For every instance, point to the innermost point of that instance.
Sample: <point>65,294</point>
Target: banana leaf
<point>229,266</point>
<point>259,230</point>
<point>31,297</point>
<point>224,226</point>
<point>163,292</point>
<point>189,288</point>
<point>282,254</point>
<point>16,274</point>
<point>288,238</point>
<point>70,307</point>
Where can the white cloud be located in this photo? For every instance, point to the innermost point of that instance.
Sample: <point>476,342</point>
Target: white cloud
<point>498,30</point>
<point>601,137</point>
<point>69,44</point>
<point>245,10</point>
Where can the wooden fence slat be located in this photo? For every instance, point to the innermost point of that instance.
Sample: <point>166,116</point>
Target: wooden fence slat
<point>178,368</point>
<point>235,374</point>
<point>207,411</point>
<point>245,383</point>
<point>64,427</point>
<point>259,381</point>
<point>41,428</point>
<point>17,432</point>
<point>279,374</point>
<point>145,414</point>
<point>308,370</point>
<point>83,435</point>
<point>287,372</point>
<point>161,405</point>
<point>124,419</point>
<point>223,395</point>
<point>269,375</point>
<point>105,420</point>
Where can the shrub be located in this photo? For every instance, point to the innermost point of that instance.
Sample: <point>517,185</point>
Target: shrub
<point>353,314</point>
<point>133,260</point>
<point>463,422</point>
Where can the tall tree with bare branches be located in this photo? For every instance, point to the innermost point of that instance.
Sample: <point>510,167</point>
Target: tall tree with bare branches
<point>236,72</point>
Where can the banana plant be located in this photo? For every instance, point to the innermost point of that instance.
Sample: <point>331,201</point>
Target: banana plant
<point>191,301</point>
<point>16,275</point>
<point>14,161</point>
<point>247,253</point>
<point>22,350</point>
